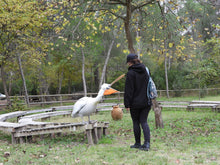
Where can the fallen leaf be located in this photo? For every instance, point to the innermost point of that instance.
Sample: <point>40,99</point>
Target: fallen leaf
<point>178,161</point>
<point>77,160</point>
<point>42,155</point>
<point>6,154</point>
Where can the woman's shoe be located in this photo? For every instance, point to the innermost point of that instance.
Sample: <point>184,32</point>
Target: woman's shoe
<point>136,145</point>
<point>145,147</point>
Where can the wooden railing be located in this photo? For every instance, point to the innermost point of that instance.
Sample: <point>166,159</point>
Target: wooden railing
<point>61,99</point>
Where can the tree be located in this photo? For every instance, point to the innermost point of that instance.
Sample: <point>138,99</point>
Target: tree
<point>21,25</point>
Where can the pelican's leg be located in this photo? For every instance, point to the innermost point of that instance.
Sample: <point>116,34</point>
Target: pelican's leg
<point>82,119</point>
<point>89,119</point>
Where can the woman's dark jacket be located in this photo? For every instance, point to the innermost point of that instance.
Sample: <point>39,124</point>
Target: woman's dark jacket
<point>135,95</point>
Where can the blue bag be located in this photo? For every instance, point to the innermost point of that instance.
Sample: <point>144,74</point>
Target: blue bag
<point>151,88</point>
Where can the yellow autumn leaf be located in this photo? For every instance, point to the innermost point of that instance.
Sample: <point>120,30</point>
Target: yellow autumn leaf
<point>125,51</point>
<point>118,45</point>
<point>170,45</point>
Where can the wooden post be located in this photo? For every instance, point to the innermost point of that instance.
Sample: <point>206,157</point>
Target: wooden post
<point>13,138</point>
<point>158,116</point>
<point>22,139</point>
<point>105,131</point>
<point>94,135</point>
<point>29,139</point>
<point>89,136</point>
<point>99,132</point>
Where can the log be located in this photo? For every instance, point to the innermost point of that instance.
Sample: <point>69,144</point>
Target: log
<point>158,116</point>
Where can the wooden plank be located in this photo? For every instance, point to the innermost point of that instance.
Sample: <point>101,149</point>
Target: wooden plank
<point>174,102</point>
<point>6,116</point>
<point>173,106</point>
<point>39,110</point>
<point>43,115</point>
<point>50,130</point>
<point>201,105</point>
<point>204,102</point>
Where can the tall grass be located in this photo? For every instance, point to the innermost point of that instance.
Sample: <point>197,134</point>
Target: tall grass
<point>187,138</point>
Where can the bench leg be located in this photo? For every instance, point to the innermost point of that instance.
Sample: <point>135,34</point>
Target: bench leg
<point>14,140</point>
<point>89,136</point>
<point>94,135</point>
<point>99,132</point>
<point>29,139</point>
<point>105,131</point>
<point>22,139</point>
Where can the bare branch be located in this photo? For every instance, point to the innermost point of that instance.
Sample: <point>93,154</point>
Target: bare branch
<point>139,6</point>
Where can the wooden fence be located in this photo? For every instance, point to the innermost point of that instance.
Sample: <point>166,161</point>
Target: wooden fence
<point>60,99</point>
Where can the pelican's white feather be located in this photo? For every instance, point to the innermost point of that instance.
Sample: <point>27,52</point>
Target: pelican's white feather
<point>87,105</point>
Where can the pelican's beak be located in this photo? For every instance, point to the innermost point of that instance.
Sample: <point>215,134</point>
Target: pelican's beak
<point>110,91</point>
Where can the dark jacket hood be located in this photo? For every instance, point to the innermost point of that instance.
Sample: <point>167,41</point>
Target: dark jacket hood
<point>139,68</point>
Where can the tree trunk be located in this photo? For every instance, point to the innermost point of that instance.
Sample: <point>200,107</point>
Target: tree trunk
<point>5,86</point>
<point>83,73</point>
<point>60,82</point>
<point>94,85</point>
<point>166,76</point>
<point>158,116</point>
<point>24,82</point>
<point>166,70</point>
<point>106,62</point>
<point>127,27</point>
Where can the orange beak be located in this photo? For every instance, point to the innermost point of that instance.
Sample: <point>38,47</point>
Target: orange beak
<point>110,91</point>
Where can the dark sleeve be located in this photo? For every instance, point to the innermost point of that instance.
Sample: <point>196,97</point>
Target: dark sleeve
<point>129,90</point>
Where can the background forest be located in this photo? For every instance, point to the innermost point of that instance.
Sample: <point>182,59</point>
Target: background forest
<point>53,47</point>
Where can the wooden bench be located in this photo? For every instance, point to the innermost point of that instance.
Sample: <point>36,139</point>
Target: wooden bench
<point>11,115</point>
<point>173,104</point>
<point>94,130</point>
<point>214,105</point>
<point>28,127</point>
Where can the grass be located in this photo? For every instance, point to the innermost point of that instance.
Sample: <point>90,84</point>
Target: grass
<point>187,138</point>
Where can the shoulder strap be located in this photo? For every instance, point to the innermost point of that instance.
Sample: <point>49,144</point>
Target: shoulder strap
<point>147,71</point>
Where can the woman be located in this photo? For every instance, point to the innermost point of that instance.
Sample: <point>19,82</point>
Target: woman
<point>136,101</point>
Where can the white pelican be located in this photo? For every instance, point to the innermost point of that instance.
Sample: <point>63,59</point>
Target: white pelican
<point>87,105</point>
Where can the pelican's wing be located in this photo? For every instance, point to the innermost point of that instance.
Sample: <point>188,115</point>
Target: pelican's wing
<point>78,106</point>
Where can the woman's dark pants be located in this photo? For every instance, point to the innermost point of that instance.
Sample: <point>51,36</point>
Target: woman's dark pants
<point>139,117</point>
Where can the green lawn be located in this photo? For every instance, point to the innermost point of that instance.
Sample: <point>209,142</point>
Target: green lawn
<point>187,138</point>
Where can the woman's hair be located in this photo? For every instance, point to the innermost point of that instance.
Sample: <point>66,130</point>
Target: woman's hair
<point>135,61</point>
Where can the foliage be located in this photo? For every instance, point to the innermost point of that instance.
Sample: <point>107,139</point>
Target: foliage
<point>50,37</point>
